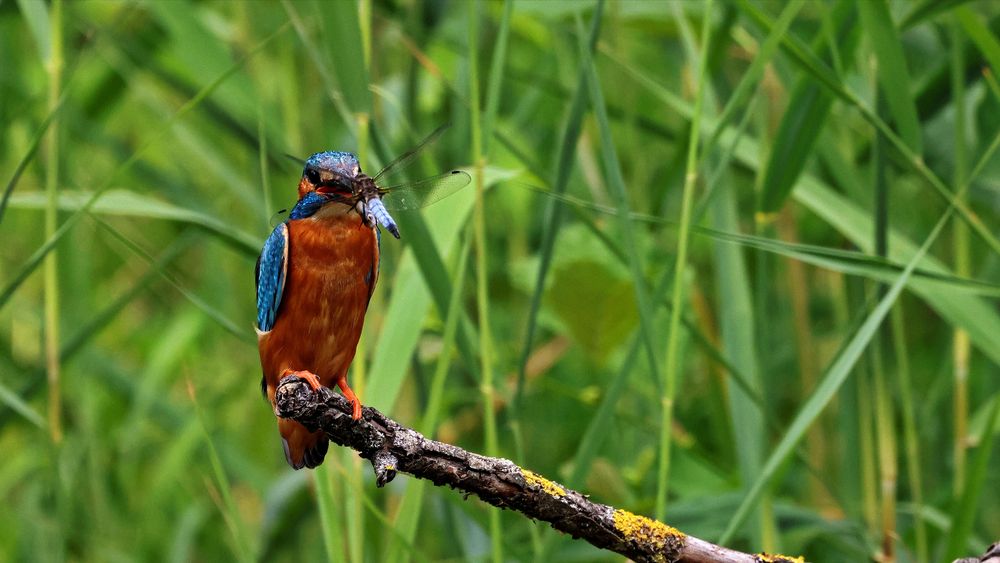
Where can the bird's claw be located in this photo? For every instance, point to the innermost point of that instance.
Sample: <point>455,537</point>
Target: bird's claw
<point>311,378</point>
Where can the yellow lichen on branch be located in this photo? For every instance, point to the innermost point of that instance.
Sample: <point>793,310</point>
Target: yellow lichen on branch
<point>646,530</point>
<point>777,558</point>
<point>550,487</point>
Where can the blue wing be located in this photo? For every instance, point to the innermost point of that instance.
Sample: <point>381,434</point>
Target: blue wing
<point>272,267</point>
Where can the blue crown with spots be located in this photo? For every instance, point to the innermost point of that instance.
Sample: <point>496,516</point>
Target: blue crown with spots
<point>344,163</point>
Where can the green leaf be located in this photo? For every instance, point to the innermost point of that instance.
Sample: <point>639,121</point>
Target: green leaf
<point>973,495</point>
<point>893,76</point>
<point>199,56</point>
<point>966,311</point>
<point>553,211</point>
<point>828,387</point>
<point>596,304</point>
<point>923,10</point>
<point>751,78</point>
<point>126,203</point>
<point>736,319</point>
<point>808,107</point>
<point>404,319</point>
<point>972,313</point>
<point>16,404</point>
<point>36,15</point>
<point>981,35</point>
<point>627,228</point>
<point>341,32</point>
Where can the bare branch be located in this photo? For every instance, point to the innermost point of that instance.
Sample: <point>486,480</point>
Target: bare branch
<point>392,447</point>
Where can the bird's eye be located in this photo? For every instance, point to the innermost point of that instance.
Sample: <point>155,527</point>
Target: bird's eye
<point>312,175</point>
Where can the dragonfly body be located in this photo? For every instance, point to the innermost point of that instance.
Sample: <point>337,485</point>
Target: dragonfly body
<point>315,278</point>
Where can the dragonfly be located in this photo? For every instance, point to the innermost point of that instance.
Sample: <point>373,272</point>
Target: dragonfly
<point>369,197</point>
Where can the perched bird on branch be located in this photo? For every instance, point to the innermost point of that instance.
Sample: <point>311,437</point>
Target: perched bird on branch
<point>315,277</point>
<point>316,274</point>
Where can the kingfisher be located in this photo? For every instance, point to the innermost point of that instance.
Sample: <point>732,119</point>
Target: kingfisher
<point>316,274</point>
<point>315,277</point>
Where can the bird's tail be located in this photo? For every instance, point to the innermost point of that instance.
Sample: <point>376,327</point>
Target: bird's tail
<point>302,447</point>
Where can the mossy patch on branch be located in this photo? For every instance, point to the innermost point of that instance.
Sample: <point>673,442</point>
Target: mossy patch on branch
<point>550,487</point>
<point>777,558</point>
<point>648,531</point>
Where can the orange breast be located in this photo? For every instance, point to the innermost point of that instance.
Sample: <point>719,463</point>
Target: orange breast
<point>332,266</point>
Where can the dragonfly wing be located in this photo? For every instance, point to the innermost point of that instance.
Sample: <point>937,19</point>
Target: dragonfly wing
<point>425,192</point>
<point>403,160</point>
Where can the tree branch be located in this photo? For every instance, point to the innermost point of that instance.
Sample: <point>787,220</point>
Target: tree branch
<point>392,447</point>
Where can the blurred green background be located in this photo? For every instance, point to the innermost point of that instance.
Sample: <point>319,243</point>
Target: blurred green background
<point>820,378</point>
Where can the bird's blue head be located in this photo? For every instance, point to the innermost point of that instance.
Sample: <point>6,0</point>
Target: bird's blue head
<point>327,177</point>
<point>329,173</point>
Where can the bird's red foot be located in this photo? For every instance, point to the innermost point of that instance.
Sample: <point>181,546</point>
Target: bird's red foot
<point>311,378</point>
<point>351,397</point>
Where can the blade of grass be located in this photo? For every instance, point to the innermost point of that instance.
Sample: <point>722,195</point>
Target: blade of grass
<point>39,255</point>
<point>36,140</point>
<point>322,68</point>
<point>243,543</point>
<point>36,16</point>
<point>497,65</point>
<point>755,71</point>
<point>984,39</point>
<point>973,314</point>
<point>54,66</point>
<point>911,441</point>
<point>673,359</point>
<point>15,403</point>
<point>736,319</point>
<point>342,36</point>
<point>832,380</point>
<point>834,259</point>
<point>617,183</point>
<point>733,287</point>
<point>482,273</point>
<point>923,10</point>
<point>884,410</point>
<point>390,362</point>
<point>864,426</point>
<point>421,279</point>
<point>329,512</point>
<point>124,203</point>
<point>808,107</point>
<point>960,250</point>
<point>972,494</point>
<point>211,312</point>
<point>820,71</point>
<point>894,79</point>
<point>493,89</point>
<point>553,217</point>
<point>411,505</point>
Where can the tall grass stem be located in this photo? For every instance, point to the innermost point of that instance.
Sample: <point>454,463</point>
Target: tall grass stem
<point>488,389</point>
<point>672,359</point>
<point>54,68</point>
<point>961,347</point>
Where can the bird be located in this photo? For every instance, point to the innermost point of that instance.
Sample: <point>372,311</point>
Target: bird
<point>315,277</point>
